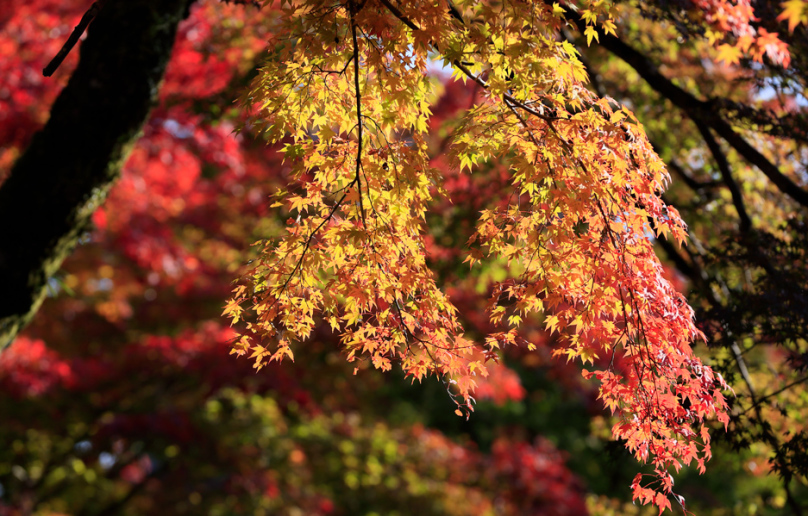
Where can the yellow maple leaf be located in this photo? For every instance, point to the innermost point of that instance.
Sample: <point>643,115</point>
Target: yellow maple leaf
<point>794,11</point>
<point>729,54</point>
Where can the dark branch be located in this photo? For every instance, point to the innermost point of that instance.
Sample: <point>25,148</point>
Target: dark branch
<point>689,180</point>
<point>117,506</point>
<point>726,176</point>
<point>792,125</point>
<point>398,14</point>
<point>359,134</point>
<point>455,12</point>
<point>678,260</point>
<point>699,110</point>
<point>74,38</point>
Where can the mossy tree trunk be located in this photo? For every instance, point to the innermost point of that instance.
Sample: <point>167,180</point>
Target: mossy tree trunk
<point>67,171</point>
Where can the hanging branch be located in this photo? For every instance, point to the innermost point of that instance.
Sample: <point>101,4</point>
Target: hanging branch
<point>353,10</point>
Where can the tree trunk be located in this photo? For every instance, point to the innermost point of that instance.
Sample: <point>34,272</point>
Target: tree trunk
<point>67,171</point>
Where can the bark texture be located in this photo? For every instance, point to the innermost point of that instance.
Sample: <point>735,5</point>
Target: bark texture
<point>67,171</point>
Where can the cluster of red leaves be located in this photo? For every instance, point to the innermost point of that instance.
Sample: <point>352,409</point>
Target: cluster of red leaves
<point>30,369</point>
<point>169,162</point>
<point>735,20</point>
<point>501,385</point>
<point>516,467</point>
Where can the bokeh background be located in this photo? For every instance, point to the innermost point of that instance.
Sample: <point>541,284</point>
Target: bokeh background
<point>121,397</point>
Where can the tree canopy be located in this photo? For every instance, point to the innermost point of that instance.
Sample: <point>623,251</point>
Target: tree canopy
<point>462,187</point>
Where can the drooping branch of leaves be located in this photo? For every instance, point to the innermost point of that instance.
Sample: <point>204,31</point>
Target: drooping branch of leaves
<point>581,169</point>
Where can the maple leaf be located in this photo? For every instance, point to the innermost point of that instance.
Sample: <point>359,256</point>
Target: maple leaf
<point>729,54</point>
<point>795,12</point>
<point>233,310</point>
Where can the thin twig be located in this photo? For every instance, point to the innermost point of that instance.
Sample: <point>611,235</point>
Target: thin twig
<point>775,393</point>
<point>506,96</point>
<point>358,114</point>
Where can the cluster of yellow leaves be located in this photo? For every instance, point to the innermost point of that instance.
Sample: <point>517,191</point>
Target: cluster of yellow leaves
<point>347,90</point>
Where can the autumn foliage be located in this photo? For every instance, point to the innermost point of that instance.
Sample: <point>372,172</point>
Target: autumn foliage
<point>124,394</point>
<point>379,117</point>
<point>347,88</point>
